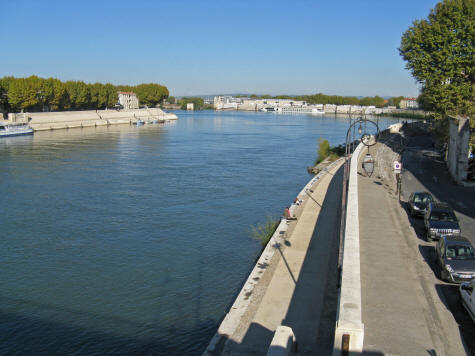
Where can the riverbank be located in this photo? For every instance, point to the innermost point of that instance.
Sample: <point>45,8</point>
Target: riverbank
<point>41,121</point>
<point>289,281</point>
<point>415,115</point>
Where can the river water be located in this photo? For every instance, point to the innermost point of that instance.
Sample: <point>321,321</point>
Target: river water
<point>128,240</point>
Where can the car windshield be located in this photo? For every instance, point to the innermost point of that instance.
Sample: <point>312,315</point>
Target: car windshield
<point>422,198</point>
<point>442,216</point>
<point>460,252</point>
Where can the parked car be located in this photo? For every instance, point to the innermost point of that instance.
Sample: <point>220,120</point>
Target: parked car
<point>440,220</point>
<point>467,295</point>
<point>418,203</point>
<point>455,259</point>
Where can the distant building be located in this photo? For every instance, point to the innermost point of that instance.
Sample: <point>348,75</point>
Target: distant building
<point>190,106</point>
<point>128,100</point>
<point>226,102</point>
<point>409,103</point>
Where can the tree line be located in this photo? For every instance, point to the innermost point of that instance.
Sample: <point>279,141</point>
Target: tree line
<point>51,94</point>
<point>198,103</point>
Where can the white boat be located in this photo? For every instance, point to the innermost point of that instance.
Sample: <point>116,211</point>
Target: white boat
<point>8,128</point>
<point>269,109</point>
<point>300,110</point>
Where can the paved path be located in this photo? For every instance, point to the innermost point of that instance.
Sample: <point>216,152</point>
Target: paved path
<point>402,313</point>
<point>301,292</point>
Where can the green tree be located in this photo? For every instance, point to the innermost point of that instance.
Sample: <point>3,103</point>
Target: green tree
<point>79,94</point>
<point>4,86</point>
<point>24,93</point>
<point>198,103</point>
<point>395,100</point>
<point>151,94</point>
<point>439,52</point>
<point>53,94</point>
<point>171,99</point>
<point>108,97</point>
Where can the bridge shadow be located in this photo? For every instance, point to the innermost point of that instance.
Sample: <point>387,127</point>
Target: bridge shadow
<point>40,333</point>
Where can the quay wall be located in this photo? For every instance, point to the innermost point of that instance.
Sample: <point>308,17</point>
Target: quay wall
<point>245,297</point>
<point>349,329</point>
<point>72,119</point>
<point>330,109</point>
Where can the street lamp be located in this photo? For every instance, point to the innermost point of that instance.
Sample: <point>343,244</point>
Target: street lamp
<point>367,140</point>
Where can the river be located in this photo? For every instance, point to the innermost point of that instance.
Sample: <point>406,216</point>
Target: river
<point>126,240</point>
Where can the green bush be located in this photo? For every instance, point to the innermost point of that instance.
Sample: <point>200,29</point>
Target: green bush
<point>263,232</point>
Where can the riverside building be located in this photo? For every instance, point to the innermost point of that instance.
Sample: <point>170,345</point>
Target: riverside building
<point>128,100</point>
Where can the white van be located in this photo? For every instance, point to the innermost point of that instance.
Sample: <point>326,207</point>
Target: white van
<point>467,295</point>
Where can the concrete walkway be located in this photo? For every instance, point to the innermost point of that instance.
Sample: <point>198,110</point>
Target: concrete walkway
<point>300,292</point>
<point>400,313</point>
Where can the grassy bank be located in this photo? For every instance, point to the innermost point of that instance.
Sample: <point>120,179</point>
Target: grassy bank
<point>408,115</point>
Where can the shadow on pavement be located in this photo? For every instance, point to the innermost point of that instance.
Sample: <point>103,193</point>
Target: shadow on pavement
<point>435,176</point>
<point>312,309</point>
<point>417,223</point>
<point>428,253</point>
<point>315,296</point>
<point>450,297</point>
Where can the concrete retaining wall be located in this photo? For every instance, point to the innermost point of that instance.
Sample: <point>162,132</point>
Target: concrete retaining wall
<point>457,151</point>
<point>349,331</point>
<point>72,119</point>
<point>283,342</point>
<point>233,317</point>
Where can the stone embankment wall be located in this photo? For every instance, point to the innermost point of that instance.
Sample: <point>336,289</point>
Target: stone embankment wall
<point>72,119</point>
<point>248,294</point>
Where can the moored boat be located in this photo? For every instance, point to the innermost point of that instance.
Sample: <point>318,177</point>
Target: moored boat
<point>8,129</point>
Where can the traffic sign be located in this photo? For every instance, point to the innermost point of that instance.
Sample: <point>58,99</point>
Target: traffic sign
<point>397,166</point>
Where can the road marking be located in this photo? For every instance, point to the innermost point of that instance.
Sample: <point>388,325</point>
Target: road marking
<point>434,178</point>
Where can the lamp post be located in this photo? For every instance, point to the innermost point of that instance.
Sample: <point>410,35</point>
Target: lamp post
<point>367,140</point>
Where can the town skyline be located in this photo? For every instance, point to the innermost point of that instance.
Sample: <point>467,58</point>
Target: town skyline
<point>271,48</point>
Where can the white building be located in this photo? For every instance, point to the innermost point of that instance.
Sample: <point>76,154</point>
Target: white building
<point>226,102</point>
<point>128,100</point>
<point>409,103</point>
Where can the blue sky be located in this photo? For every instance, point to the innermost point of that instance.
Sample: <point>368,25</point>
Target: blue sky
<point>346,47</point>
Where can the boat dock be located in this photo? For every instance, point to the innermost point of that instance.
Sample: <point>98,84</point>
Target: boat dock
<point>41,121</point>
